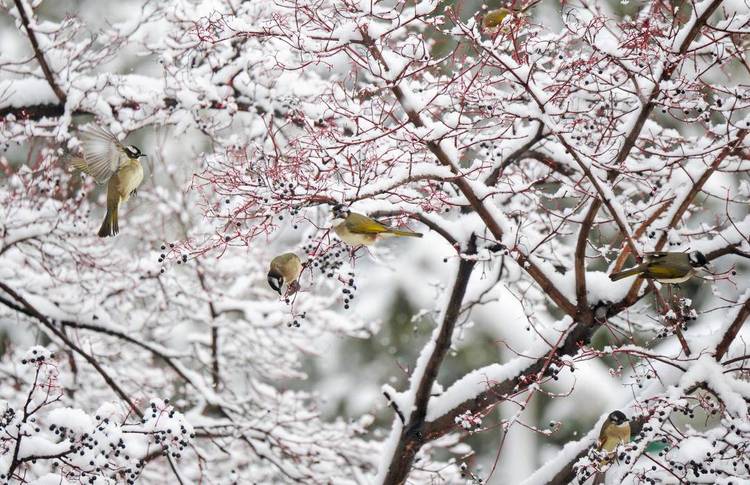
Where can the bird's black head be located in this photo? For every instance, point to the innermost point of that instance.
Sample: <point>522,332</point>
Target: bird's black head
<point>697,259</point>
<point>617,417</point>
<point>275,281</point>
<point>132,152</point>
<point>340,212</point>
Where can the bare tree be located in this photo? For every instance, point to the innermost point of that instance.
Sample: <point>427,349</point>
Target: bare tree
<point>551,157</point>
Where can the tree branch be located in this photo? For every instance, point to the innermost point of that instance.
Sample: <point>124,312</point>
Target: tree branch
<point>39,111</point>
<point>465,187</point>
<point>733,330</point>
<point>61,335</point>
<point>517,155</point>
<point>412,437</point>
<point>577,336</point>
<point>38,53</point>
<point>580,256</point>
<point>667,72</point>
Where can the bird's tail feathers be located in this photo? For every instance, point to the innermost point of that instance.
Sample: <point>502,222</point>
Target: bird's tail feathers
<point>398,233</point>
<point>626,273</point>
<point>598,478</point>
<point>110,225</point>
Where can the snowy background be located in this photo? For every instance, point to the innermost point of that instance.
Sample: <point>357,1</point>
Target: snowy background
<point>536,157</point>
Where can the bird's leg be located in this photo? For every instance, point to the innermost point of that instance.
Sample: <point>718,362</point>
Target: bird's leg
<point>134,193</point>
<point>660,303</point>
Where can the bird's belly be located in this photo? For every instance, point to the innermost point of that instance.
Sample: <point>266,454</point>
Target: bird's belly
<point>130,178</point>
<point>296,270</point>
<point>673,281</point>
<point>355,239</point>
<point>617,435</point>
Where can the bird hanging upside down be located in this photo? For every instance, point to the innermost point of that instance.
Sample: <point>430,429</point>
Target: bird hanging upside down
<point>285,269</point>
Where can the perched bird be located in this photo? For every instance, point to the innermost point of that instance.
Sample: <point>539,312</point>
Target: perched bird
<point>494,18</point>
<point>284,268</point>
<point>355,229</point>
<point>106,159</point>
<point>615,430</point>
<point>666,267</point>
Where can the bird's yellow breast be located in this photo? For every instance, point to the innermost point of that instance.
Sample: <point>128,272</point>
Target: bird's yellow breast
<point>352,238</point>
<point>616,435</point>
<point>130,176</point>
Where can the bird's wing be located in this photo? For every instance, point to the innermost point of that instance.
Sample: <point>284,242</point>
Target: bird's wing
<point>602,438</point>
<point>101,152</point>
<point>656,269</point>
<point>654,256</point>
<point>359,224</point>
<point>80,164</point>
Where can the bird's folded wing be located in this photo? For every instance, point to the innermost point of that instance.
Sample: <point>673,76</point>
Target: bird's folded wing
<point>653,256</point>
<point>670,271</point>
<point>365,225</point>
<point>101,153</point>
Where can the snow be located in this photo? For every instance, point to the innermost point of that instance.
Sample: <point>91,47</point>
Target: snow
<point>51,479</point>
<point>730,391</point>
<point>17,93</point>
<point>257,116</point>
<point>36,354</point>
<point>41,447</point>
<point>569,451</point>
<point>693,448</point>
<point>477,381</point>
<point>75,420</point>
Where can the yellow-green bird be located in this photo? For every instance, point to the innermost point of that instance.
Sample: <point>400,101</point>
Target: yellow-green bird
<point>359,230</point>
<point>285,269</point>
<point>666,267</point>
<point>106,159</point>
<point>494,18</point>
<point>615,430</point>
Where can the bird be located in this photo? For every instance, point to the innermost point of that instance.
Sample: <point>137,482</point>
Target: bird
<point>106,159</point>
<point>284,268</point>
<point>357,229</point>
<point>615,430</point>
<point>666,267</point>
<point>494,18</point>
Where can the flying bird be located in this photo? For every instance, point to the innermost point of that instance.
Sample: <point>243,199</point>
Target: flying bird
<point>106,159</point>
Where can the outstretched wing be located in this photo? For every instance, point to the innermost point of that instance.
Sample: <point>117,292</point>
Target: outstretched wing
<point>359,224</point>
<point>101,153</point>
